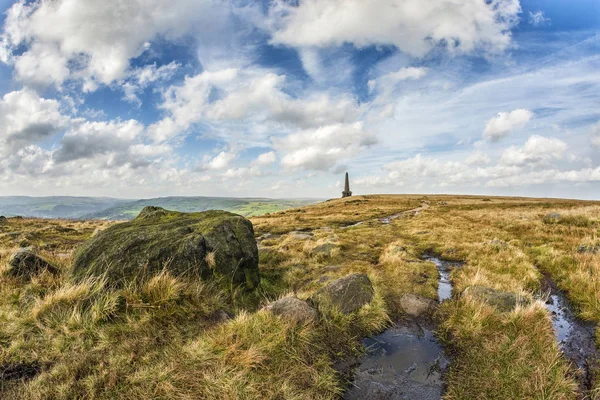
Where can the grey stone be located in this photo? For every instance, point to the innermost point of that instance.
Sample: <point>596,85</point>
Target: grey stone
<point>26,263</point>
<point>347,294</point>
<point>416,305</point>
<point>293,308</point>
<point>588,248</point>
<point>211,244</point>
<point>503,301</point>
<point>3,220</point>
<point>323,250</point>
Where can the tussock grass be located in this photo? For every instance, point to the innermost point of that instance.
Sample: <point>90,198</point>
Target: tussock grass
<point>162,338</point>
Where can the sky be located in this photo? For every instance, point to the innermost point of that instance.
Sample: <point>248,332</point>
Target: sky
<point>149,98</point>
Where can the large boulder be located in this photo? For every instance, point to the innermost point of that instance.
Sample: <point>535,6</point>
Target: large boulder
<point>26,263</point>
<point>293,308</point>
<point>346,294</point>
<point>416,305</point>
<point>206,244</point>
<point>503,301</point>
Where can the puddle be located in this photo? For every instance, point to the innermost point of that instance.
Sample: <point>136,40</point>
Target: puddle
<point>388,220</point>
<point>575,336</point>
<point>405,361</point>
<point>444,269</point>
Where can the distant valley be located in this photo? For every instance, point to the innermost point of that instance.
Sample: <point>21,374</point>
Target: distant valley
<point>68,207</point>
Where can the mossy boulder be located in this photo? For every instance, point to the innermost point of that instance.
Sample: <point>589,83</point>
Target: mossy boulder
<point>26,263</point>
<point>347,294</point>
<point>211,244</point>
<point>503,301</point>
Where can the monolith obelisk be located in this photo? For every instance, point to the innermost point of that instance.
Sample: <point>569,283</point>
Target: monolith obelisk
<point>346,192</point>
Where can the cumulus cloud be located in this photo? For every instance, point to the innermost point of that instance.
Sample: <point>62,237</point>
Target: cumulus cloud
<point>251,96</point>
<point>505,122</point>
<point>267,158</point>
<point>92,139</point>
<point>540,160</point>
<point>26,119</point>
<point>413,26</point>
<point>323,148</point>
<point>88,40</point>
<point>537,149</point>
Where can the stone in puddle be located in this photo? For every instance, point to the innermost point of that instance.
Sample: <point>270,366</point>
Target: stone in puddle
<point>416,305</point>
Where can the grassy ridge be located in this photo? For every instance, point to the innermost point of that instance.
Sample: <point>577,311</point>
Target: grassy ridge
<point>244,206</point>
<point>163,338</point>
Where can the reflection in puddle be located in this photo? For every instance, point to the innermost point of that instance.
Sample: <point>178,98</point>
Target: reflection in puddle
<point>405,361</point>
<point>575,337</point>
<point>444,268</point>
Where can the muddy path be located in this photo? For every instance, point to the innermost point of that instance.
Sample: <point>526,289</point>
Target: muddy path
<point>388,220</point>
<point>406,361</point>
<point>575,337</point>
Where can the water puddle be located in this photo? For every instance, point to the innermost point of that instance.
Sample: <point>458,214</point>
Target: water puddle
<point>406,361</point>
<point>444,269</point>
<point>575,337</point>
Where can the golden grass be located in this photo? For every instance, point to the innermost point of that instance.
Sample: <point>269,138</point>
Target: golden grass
<point>160,339</point>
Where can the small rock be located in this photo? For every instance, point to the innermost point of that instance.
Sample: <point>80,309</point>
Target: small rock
<point>347,294</point>
<point>293,308</point>
<point>504,301</point>
<point>498,243</point>
<point>221,316</point>
<point>552,217</point>
<point>416,305</point>
<point>26,263</point>
<point>324,250</point>
<point>3,220</point>
<point>300,235</point>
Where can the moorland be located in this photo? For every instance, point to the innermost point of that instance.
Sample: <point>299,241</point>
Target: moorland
<point>174,337</point>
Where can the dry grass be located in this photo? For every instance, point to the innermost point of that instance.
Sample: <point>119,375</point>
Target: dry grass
<point>161,339</point>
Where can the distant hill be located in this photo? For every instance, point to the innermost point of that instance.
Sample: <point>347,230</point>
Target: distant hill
<point>244,206</point>
<point>118,209</point>
<point>55,206</point>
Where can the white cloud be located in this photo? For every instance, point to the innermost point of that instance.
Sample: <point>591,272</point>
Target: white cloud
<point>505,122</point>
<point>266,158</point>
<point>140,78</point>
<point>26,118</point>
<point>537,18</point>
<point>90,40</point>
<point>478,158</point>
<point>387,81</point>
<point>414,26</point>
<point>323,148</point>
<point>537,149</point>
<point>252,98</point>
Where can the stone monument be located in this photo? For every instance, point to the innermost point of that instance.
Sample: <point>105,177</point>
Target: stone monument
<point>346,192</point>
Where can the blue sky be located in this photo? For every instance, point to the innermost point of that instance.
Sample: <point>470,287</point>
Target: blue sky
<point>279,98</point>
